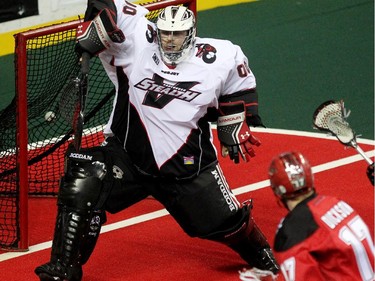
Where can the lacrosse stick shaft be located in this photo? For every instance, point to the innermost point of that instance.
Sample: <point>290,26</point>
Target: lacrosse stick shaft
<point>78,130</point>
<point>85,68</point>
<point>360,151</point>
<point>85,63</point>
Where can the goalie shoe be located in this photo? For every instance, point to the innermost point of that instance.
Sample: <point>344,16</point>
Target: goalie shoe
<point>56,272</point>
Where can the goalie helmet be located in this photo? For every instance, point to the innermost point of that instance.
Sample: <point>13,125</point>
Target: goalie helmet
<point>174,19</point>
<point>290,175</point>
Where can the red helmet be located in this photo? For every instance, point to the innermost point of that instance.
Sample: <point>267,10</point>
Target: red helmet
<point>290,175</point>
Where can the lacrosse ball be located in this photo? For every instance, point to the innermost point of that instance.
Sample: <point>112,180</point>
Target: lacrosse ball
<point>49,116</point>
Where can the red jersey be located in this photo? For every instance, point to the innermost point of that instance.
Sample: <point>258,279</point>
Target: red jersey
<point>324,238</point>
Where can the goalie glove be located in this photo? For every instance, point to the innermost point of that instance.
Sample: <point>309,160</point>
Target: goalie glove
<point>233,132</point>
<point>97,35</point>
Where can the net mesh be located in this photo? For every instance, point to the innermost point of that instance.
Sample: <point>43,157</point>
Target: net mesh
<point>51,66</point>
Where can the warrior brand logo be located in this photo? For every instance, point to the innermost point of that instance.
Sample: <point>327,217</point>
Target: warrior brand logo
<point>159,94</point>
<point>80,156</point>
<point>206,52</point>
<point>224,190</point>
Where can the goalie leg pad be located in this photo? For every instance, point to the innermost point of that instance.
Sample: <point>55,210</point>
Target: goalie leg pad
<point>82,184</point>
<point>248,241</point>
<point>79,219</point>
<point>74,240</point>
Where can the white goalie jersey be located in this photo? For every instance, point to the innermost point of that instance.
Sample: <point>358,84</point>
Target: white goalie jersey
<point>162,114</point>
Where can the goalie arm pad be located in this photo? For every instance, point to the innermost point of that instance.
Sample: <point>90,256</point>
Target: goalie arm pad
<point>97,35</point>
<point>233,132</point>
<point>250,98</point>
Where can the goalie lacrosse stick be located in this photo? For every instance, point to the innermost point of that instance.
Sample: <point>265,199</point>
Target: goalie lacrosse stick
<point>78,119</point>
<point>331,117</point>
<point>73,100</point>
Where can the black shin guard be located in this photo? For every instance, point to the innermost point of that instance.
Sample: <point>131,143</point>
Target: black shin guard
<point>74,240</point>
<point>249,242</point>
<point>78,222</point>
<point>75,236</point>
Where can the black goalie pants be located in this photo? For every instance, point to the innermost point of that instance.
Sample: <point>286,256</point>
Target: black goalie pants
<point>201,205</point>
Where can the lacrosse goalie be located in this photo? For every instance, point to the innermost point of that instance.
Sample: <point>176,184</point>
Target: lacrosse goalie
<point>169,85</point>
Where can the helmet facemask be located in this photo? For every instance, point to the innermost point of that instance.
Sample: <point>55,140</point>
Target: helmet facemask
<point>176,34</point>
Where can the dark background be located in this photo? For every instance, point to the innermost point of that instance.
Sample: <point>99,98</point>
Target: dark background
<point>301,52</point>
<point>15,9</point>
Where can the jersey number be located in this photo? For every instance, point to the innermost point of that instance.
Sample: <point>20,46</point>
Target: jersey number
<point>353,234</point>
<point>129,9</point>
<point>243,70</point>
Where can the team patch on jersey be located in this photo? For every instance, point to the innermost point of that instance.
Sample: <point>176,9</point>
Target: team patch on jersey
<point>206,52</point>
<point>167,89</point>
<point>188,160</point>
<point>159,93</point>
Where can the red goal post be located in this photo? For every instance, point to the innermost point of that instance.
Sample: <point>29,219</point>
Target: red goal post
<point>32,147</point>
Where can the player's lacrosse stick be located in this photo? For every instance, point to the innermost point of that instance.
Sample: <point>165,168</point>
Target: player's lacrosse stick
<point>331,117</point>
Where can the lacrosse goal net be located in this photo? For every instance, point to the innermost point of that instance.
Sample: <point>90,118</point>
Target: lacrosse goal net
<point>32,147</point>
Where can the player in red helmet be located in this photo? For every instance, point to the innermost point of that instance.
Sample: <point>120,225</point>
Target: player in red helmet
<point>322,237</point>
<point>291,176</point>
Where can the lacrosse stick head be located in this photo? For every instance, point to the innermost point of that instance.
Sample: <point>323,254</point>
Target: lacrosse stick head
<point>69,104</point>
<point>331,117</point>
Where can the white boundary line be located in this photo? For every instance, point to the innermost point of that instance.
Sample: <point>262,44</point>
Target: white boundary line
<point>236,191</point>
